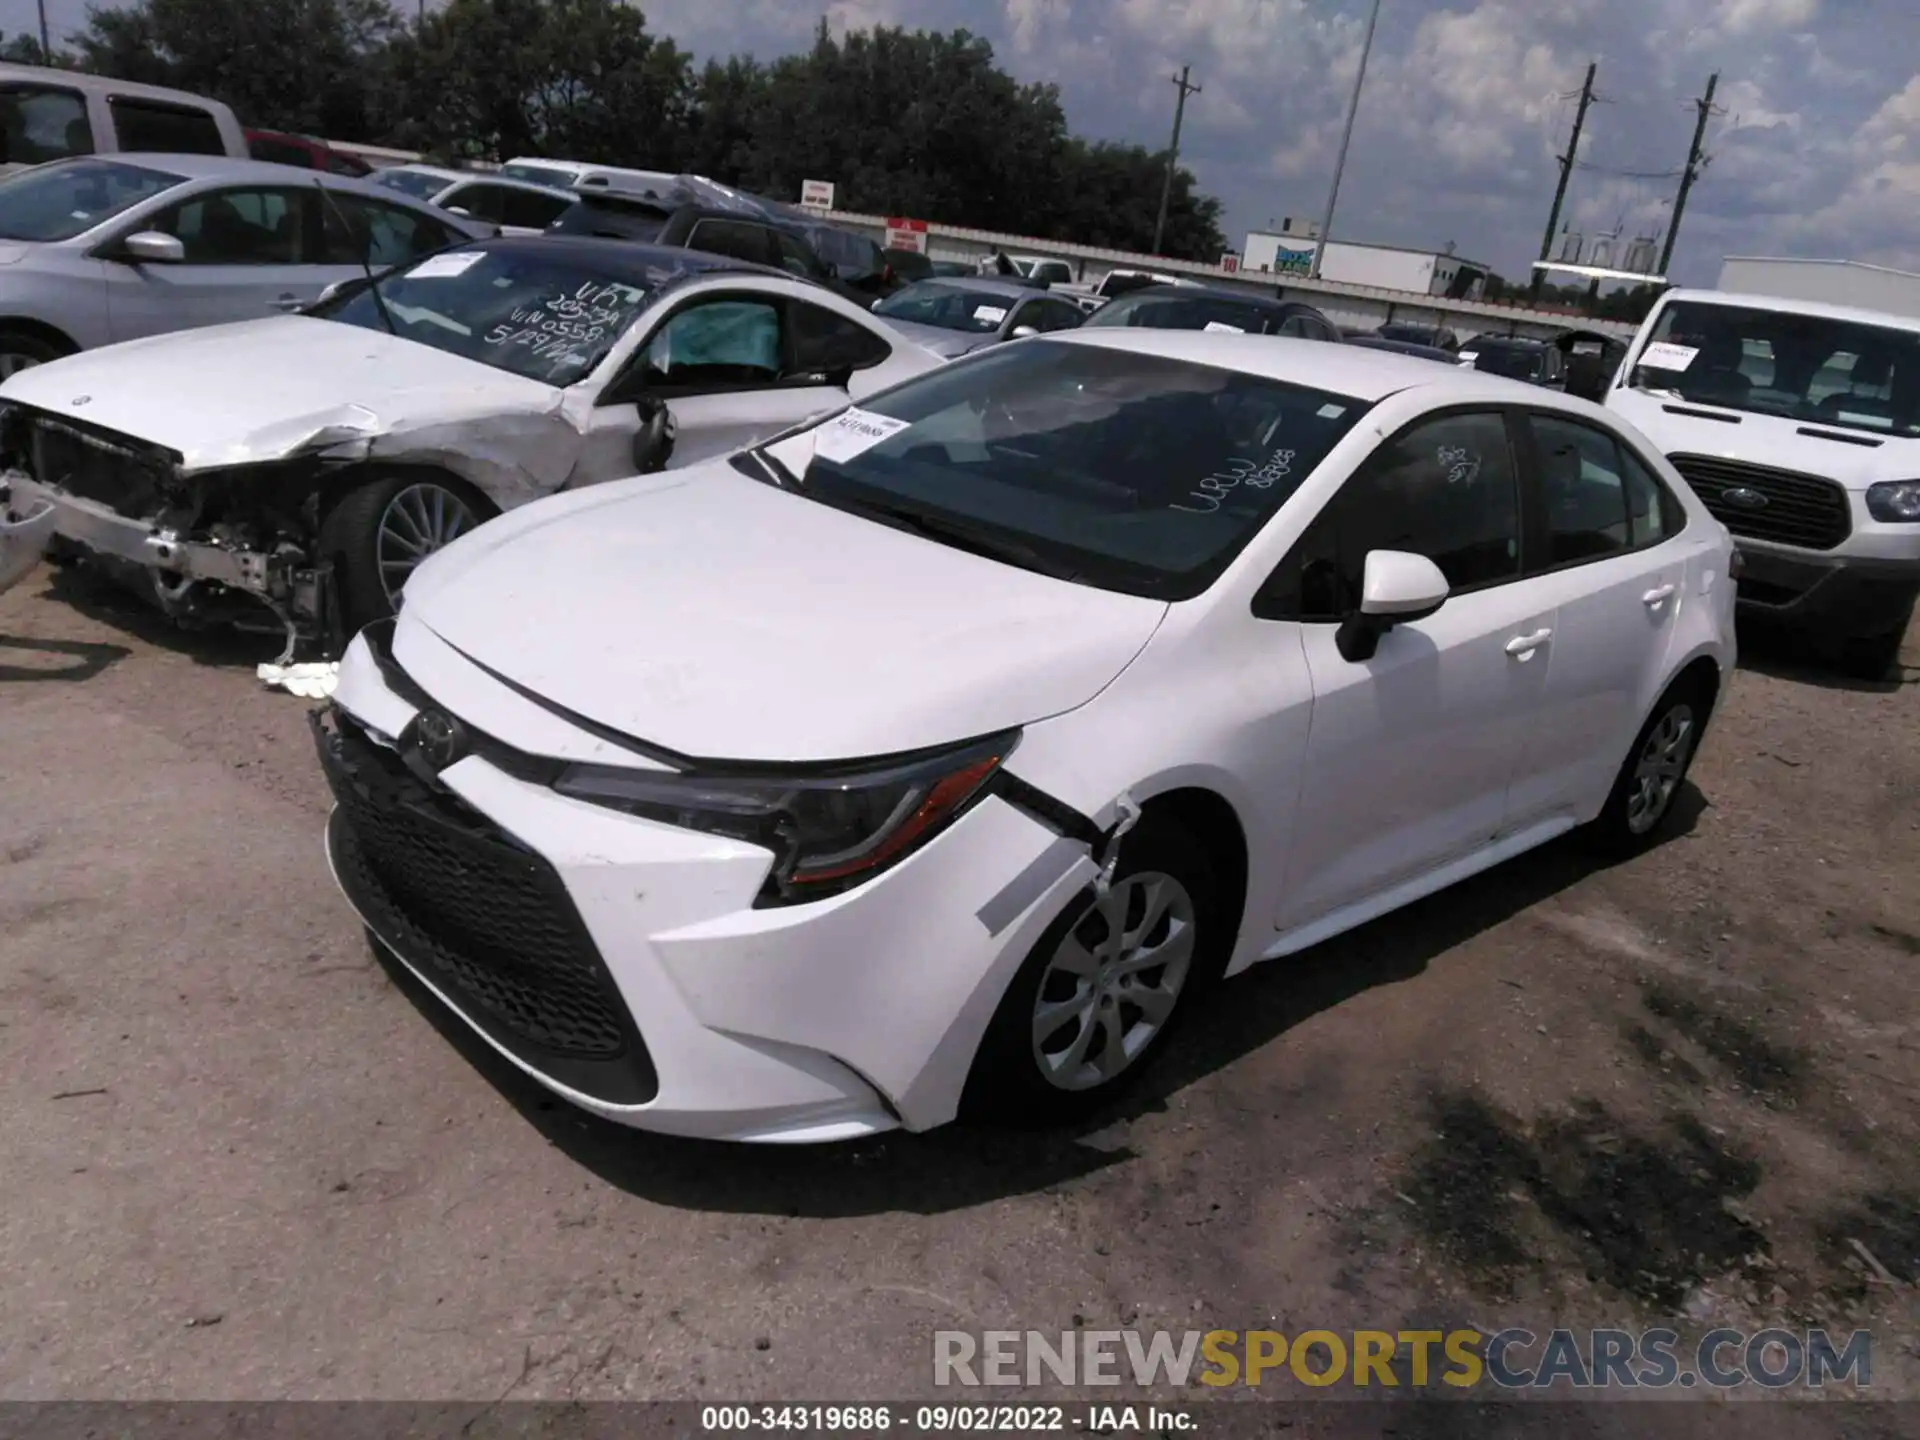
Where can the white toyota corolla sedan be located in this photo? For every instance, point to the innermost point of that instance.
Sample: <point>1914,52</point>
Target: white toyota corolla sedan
<point>935,755</point>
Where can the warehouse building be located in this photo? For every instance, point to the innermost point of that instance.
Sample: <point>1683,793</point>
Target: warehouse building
<point>1289,251</point>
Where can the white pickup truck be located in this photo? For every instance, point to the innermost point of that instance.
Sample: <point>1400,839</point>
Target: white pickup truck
<point>1798,424</point>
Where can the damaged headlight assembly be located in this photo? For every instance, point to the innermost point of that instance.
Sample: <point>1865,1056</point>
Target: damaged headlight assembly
<point>829,830</point>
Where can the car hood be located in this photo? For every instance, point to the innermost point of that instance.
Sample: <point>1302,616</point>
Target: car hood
<point>261,390</point>
<point>948,344</point>
<point>1770,440</point>
<point>720,617</point>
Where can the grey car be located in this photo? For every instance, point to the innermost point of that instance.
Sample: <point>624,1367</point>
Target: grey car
<point>954,317</point>
<point>101,249</point>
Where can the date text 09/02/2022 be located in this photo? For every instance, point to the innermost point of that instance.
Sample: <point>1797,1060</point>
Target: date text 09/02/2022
<point>944,1419</point>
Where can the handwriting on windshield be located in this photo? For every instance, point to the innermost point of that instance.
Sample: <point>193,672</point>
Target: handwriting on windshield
<point>1238,472</point>
<point>563,327</point>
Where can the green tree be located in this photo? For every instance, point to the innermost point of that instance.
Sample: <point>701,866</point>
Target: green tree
<point>298,65</point>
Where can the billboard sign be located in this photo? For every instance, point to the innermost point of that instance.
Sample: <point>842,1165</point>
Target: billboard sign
<point>816,194</point>
<point>1290,261</point>
<point>907,235</point>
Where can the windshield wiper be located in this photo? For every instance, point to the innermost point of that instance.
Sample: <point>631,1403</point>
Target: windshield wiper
<point>956,533</point>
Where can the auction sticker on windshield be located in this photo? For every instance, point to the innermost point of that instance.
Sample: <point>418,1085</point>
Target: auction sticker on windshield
<point>1663,356</point>
<point>852,433</point>
<point>1220,327</point>
<point>989,314</point>
<point>445,267</point>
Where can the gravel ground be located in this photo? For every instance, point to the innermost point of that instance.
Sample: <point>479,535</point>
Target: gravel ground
<point>243,1159</point>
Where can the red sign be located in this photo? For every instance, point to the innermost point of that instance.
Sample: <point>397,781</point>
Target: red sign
<point>1230,262</point>
<point>907,235</point>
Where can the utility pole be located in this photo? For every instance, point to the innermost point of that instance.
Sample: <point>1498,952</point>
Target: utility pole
<point>46,47</point>
<point>1346,136</point>
<point>1695,163</point>
<point>1173,152</point>
<point>1566,174</point>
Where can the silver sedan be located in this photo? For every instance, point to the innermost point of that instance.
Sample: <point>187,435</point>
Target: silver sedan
<point>100,249</point>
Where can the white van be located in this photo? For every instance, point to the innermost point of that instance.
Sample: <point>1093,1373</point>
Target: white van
<point>1798,423</point>
<point>56,114</point>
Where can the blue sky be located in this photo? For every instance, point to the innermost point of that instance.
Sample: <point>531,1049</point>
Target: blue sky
<point>1815,151</point>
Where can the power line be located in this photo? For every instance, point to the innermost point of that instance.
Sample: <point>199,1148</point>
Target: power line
<point>1173,151</point>
<point>1629,174</point>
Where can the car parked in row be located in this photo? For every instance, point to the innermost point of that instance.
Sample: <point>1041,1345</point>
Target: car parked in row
<point>303,152</point>
<point>48,115</point>
<point>576,174</point>
<point>1537,362</point>
<point>1199,307</point>
<point>719,230</point>
<point>1438,337</point>
<point>514,207</point>
<point>1367,340</point>
<point>110,248</point>
<point>1017,705</point>
<point>304,465</point>
<point>957,317</point>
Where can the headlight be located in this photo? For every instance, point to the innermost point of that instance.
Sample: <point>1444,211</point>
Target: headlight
<point>1894,501</point>
<point>828,830</point>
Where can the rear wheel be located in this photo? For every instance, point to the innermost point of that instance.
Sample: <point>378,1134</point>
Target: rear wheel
<point>1639,809</point>
<point>1096,998</point>
<point>378,534</point>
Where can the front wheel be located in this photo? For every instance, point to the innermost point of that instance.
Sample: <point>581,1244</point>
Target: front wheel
<point>378,534</point>
<point>24,349</point>
<point>1099,993</point>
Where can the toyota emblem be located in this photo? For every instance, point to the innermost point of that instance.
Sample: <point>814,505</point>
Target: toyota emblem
<point>440,739</point>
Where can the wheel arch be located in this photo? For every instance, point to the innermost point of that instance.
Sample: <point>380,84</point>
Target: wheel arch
<point>1213,821</point>
<point>40,330</point>
<point>348,478</point>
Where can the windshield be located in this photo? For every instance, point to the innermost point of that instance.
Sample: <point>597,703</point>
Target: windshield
<point>416,183</point>
<point>70,197</point>
<point>950,307</point>
<point>1160,311</point>
<point>539,174</point>
<point>533,315</point>
<point>1771,362</point>
<point>1516,362</point>
<point>1130,472</point>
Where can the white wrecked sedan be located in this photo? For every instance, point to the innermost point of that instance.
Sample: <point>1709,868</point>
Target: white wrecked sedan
<point>309,462</point>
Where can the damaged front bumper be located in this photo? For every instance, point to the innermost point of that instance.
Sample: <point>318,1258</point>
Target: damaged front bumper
<point>25,529</point>
<point>284,582</point>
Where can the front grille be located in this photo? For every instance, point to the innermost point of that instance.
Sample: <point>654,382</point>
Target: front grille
<point>483,917</point>
<point>92,465</point>
<point>1805,510</point>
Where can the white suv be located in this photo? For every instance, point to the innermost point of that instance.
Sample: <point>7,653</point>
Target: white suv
<point>1798,424</point>
<point>940,750</point>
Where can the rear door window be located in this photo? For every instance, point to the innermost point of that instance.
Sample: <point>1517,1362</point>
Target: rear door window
<point>825,342</point>
<point>734,238</point>
<point>381,235</point>
<point>148,125</point>
<point>479,200</point>
<point>529,209</point>
<point>40,123</point>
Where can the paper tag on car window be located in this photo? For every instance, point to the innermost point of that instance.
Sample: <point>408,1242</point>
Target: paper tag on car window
<point>1467,357</point>
<point>1220,327</point>
<point>445,267</point>
<point>1662,356</point>
<point>852,432</point>
<point>989,314</point>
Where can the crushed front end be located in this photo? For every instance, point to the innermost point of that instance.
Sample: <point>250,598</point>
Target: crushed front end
<point>234,545</point>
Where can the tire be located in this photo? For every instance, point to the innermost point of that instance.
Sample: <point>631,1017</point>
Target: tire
<point>1025,1078</point>
<point>23,349</point>
<point>369,529</point>
<point>1639,808</point>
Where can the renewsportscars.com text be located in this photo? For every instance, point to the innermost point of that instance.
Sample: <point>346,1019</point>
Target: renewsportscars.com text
<point>1512,1359</point>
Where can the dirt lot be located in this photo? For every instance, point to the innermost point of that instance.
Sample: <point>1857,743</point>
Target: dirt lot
<point>243,1161</point>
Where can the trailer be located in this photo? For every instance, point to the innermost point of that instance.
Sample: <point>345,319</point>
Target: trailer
<point>1825,282</point>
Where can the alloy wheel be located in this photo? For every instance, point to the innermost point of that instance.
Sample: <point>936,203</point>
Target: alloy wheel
<point>12,362</point>
<point>1660,768</point>
<point>1111,985</point>
<point>417,521</point>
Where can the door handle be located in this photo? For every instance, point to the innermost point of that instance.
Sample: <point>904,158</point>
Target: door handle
<point>286,302</point>
<point>1527,644</point>
<point>1659,595</point>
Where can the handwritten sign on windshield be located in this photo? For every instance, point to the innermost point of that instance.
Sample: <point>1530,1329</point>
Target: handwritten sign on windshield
<point>566,327</point>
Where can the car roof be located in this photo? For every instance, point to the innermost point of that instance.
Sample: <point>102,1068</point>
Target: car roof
<point>984,285</point>
<point>1814,308</point>
<point>440,172</point>
<point>234,168</point>
<point>627,260</point>
<point>1514,342</point>
<point>1217,292</point>
<point>1354,371</point>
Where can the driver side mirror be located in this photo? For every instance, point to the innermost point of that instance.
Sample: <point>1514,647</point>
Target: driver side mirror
<point>653,441</point>
<point>1021,332</point>
<point>152,247</point>
<point>1397,588</point>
